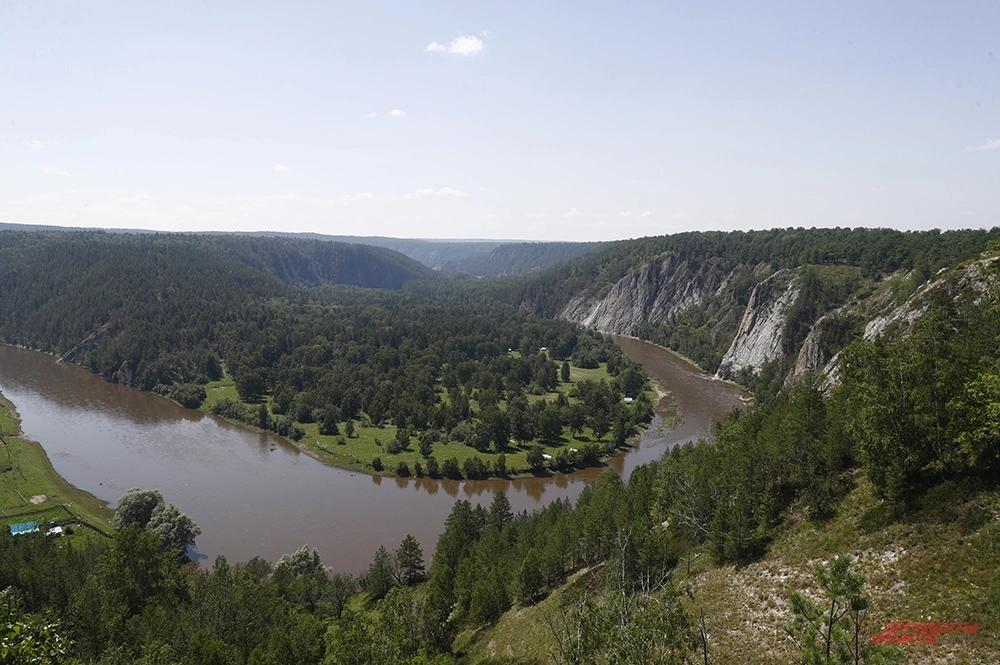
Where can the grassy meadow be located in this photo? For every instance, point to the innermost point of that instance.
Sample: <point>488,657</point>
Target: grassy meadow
<point>370,441</point>
<point>32,491</point>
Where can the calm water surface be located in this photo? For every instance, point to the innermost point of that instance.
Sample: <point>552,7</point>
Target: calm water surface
<point>255,494</point>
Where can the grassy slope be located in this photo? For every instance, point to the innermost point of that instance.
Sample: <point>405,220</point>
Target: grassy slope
<point>941,563</point>
<point>32,475</point>
<point>369,442</point>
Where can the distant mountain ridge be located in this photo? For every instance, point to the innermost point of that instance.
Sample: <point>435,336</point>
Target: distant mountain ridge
<point>483,258</point>
<point>520,258</point>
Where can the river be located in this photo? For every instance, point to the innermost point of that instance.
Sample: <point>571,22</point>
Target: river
<point>257,495</point>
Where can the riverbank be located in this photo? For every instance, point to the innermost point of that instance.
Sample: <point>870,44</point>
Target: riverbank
<point>30,488</point>
<point>382,450</point>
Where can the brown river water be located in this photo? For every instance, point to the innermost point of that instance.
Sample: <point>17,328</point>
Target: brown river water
<point>257,495</point>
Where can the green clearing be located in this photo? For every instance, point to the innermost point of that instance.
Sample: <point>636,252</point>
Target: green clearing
<point>370,441</point>
<point>27,473</point>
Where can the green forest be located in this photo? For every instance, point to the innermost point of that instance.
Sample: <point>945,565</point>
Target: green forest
<point>908,428</point>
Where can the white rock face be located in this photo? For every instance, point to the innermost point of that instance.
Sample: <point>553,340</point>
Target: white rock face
<point>654,292</point>
<point>760,334</point>
<point>974,276</point>
<point>810,354</point>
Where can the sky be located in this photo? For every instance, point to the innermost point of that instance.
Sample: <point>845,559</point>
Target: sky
<point>544,120</point>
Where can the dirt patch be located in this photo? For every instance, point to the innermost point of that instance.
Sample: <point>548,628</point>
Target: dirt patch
<point>39,498</point>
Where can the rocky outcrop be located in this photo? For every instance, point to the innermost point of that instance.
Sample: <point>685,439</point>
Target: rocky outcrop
<point>974,276</point>
<point>653,292</point>
<point>760,335</point>
<point>811,355</point>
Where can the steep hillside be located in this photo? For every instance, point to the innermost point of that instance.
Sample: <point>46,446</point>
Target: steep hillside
<point>519,258</point>
<point>483,258</point>
<point>894,466</point>
<point>156,296</point>
<point>431,253</point>
<point>754,306</point>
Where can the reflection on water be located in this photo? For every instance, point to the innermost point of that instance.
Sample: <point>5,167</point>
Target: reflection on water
<point>257,495</point>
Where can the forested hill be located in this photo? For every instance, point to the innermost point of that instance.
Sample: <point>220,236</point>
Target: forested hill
<point>744,304</point>
<point>483,258</point>
<point>57,289</point>
<point>431,253</point>
<point>520,258</point>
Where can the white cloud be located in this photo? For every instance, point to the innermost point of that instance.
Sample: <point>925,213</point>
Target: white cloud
<point>461,45</point>
<point>281,168</point>
<point>645,215</point>
<point>428,192</point>
<point>878,189</point>
<point>598,215</point>
<point>357,198</point>
<point>395,113</point>
<point>992,144</point>
<point>573,212</point>
<point>54,171</point>
<point>38,145</point>
<point>970,213</point>
<point>730,216</point>
<point>536,215</point>
<point>625,213</point>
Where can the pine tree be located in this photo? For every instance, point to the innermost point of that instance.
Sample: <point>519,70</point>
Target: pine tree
<point>410,559</point>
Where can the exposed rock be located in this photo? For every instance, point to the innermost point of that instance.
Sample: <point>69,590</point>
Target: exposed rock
<point>811,355</point>
<point>654,292</point>
<point>970,276</point>
<point>124,375</point>
<point>761,331</point>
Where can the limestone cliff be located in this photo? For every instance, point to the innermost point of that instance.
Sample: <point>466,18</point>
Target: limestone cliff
<point>760,335</point>
<point>653,292</point>
<point>748,317</point>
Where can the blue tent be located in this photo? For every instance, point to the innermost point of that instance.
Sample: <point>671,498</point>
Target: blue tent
<point>23,527</point>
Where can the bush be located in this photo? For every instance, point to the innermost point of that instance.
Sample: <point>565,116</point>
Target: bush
<point>233,410</point>
<point>590,454</point>
<point>432,467</point>
<point>403,470</point>
<point>462,432</point>
<point>377,463</point>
